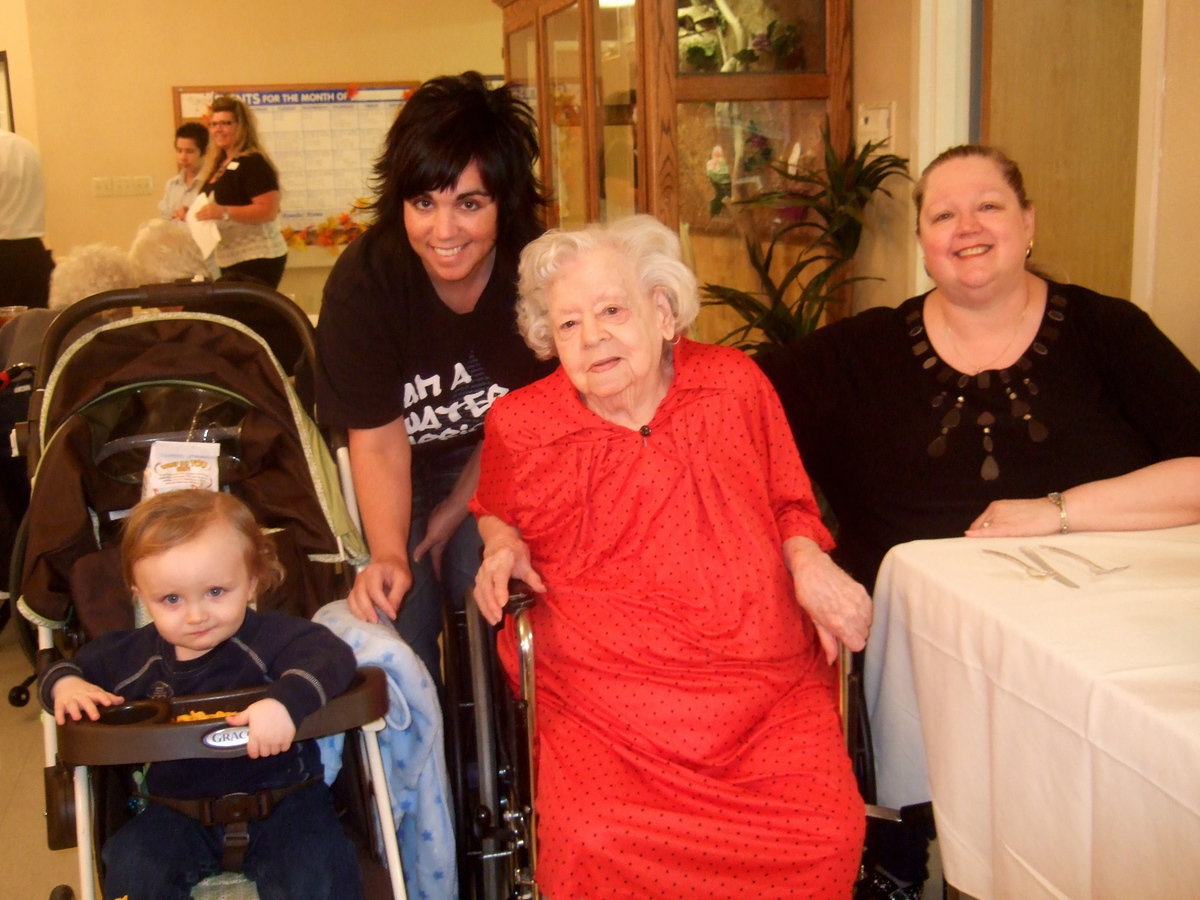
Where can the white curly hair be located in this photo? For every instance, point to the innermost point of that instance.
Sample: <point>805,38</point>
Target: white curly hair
<point>163,251</point>
<point>89,269</point>
<point>650,246</point>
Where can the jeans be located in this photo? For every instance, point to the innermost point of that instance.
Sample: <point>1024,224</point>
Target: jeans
<point>420,618</point>
<point>298,852</point>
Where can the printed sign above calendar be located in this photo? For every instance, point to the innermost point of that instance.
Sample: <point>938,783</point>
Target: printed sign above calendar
<point>323,139</point>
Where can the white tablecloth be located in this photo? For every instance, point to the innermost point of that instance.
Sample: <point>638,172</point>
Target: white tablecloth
<point>1061,726</point>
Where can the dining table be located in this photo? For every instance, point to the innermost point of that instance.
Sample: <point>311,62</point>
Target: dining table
<point>1053,719</point>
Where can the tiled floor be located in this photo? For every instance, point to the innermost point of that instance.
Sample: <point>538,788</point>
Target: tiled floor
<point>28,870</point>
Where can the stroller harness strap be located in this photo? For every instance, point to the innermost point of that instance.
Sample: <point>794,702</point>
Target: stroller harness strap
<point>235,812</point>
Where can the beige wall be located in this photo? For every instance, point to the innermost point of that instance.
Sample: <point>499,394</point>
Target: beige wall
<point>14,40</point>
<point>885,72</point>
<point>103,71</point>
<point>885,68</point>
<point>1175,299</point>
<point>1068,113</point>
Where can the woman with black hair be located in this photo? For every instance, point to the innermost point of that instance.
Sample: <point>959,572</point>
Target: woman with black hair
<point>417,336</point>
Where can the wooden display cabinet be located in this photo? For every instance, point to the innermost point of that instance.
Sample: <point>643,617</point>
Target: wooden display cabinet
<point>674,108</point>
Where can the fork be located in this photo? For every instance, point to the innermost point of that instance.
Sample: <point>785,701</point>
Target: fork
<point>1094,568</point>
<point>1030,569</point>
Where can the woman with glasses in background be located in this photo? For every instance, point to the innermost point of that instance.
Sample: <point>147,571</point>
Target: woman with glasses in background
<point>243,190</point>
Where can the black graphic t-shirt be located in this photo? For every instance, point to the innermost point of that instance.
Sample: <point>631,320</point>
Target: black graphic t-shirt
<point>389,347</point>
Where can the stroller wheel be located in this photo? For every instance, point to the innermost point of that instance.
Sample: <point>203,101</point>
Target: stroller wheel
<point>19,696</point>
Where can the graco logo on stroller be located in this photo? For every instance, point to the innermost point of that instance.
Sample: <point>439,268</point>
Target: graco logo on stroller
<point>227,737</point>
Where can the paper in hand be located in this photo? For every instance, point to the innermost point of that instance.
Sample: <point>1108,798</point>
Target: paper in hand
<point>205,233</point>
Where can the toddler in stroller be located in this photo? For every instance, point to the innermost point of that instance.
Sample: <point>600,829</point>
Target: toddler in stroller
<point>195,559</point>
<point>216,369</point>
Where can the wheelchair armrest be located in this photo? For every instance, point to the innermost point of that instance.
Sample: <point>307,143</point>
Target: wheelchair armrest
<point>145,731</point>
<point>521,597</point>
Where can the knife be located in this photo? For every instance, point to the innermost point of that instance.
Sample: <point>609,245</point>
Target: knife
<point>1035,557</point>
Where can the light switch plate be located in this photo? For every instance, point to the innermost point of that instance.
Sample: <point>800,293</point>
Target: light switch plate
<point>874,123</point>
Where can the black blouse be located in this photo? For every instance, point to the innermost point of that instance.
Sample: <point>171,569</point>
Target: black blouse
<point>906,447</point>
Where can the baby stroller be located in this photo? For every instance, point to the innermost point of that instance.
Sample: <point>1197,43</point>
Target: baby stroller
<point>16,382</point>
<point>218,368</point>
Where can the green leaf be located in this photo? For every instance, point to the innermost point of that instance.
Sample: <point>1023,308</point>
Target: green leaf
<point>834,197</point>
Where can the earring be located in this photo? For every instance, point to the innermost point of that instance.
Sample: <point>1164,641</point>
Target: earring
<point>1029,250</point>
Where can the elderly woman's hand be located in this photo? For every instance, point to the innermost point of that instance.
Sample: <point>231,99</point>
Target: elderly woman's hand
<point>505,556</point>
<point>838,605</point>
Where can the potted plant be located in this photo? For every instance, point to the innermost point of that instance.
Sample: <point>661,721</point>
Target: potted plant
<point>821,215</point>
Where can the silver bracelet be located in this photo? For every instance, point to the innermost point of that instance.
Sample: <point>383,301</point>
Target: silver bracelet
<point>1058,500</point>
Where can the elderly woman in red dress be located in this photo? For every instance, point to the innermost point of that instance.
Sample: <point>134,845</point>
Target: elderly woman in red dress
<point>650,491</point>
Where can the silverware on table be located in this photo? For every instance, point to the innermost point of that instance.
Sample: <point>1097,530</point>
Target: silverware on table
<point>1030,570</point>
<point>1037,559</point>
<point>1093,567</point>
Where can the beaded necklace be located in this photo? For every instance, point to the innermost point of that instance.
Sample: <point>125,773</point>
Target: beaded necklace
<point>959,396</point>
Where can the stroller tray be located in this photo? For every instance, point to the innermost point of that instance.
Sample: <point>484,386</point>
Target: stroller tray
<point>147,730</point>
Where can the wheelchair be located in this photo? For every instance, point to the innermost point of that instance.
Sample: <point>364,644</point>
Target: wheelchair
<point>491,731</point>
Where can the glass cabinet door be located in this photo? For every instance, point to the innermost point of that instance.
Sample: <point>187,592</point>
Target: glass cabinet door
<point>566,140</point>
<point>722,38</point>
<point>616,86</point>
<point>522,65</point>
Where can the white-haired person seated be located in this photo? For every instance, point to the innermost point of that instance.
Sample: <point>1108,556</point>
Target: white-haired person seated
<point>649,490</point>
<point>88,269</point>
<point>163,252</point>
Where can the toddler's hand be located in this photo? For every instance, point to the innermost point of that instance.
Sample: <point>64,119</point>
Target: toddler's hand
<point>271,727</point>
<point>74,697</point>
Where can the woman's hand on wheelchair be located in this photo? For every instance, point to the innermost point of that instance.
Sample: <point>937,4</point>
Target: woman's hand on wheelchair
<point>839,606</point>
<point>501,564</point>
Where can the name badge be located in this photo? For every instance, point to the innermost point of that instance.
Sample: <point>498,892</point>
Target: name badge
<point>233,165</point>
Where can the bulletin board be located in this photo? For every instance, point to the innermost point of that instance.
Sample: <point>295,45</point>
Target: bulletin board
<point>323,139</point>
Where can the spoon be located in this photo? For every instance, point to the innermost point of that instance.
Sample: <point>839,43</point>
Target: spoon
<point>1030,569</point>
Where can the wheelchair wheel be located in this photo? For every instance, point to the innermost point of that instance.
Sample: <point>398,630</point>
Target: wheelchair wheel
<point>485,733</point>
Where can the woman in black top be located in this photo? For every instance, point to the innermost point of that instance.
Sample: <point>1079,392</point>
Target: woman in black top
<point>963,409</point>
<point>417,336</point>
<point>999,403</point>
<point>243,188</point>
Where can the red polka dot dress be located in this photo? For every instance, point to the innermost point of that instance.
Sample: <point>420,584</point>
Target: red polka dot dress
<point>688,741</point>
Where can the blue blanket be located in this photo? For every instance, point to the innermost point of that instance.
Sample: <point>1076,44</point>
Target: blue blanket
<point>412,750</point>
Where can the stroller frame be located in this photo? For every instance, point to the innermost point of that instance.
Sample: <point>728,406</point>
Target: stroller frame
<point>289,338</point>
<point>147,725</point>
